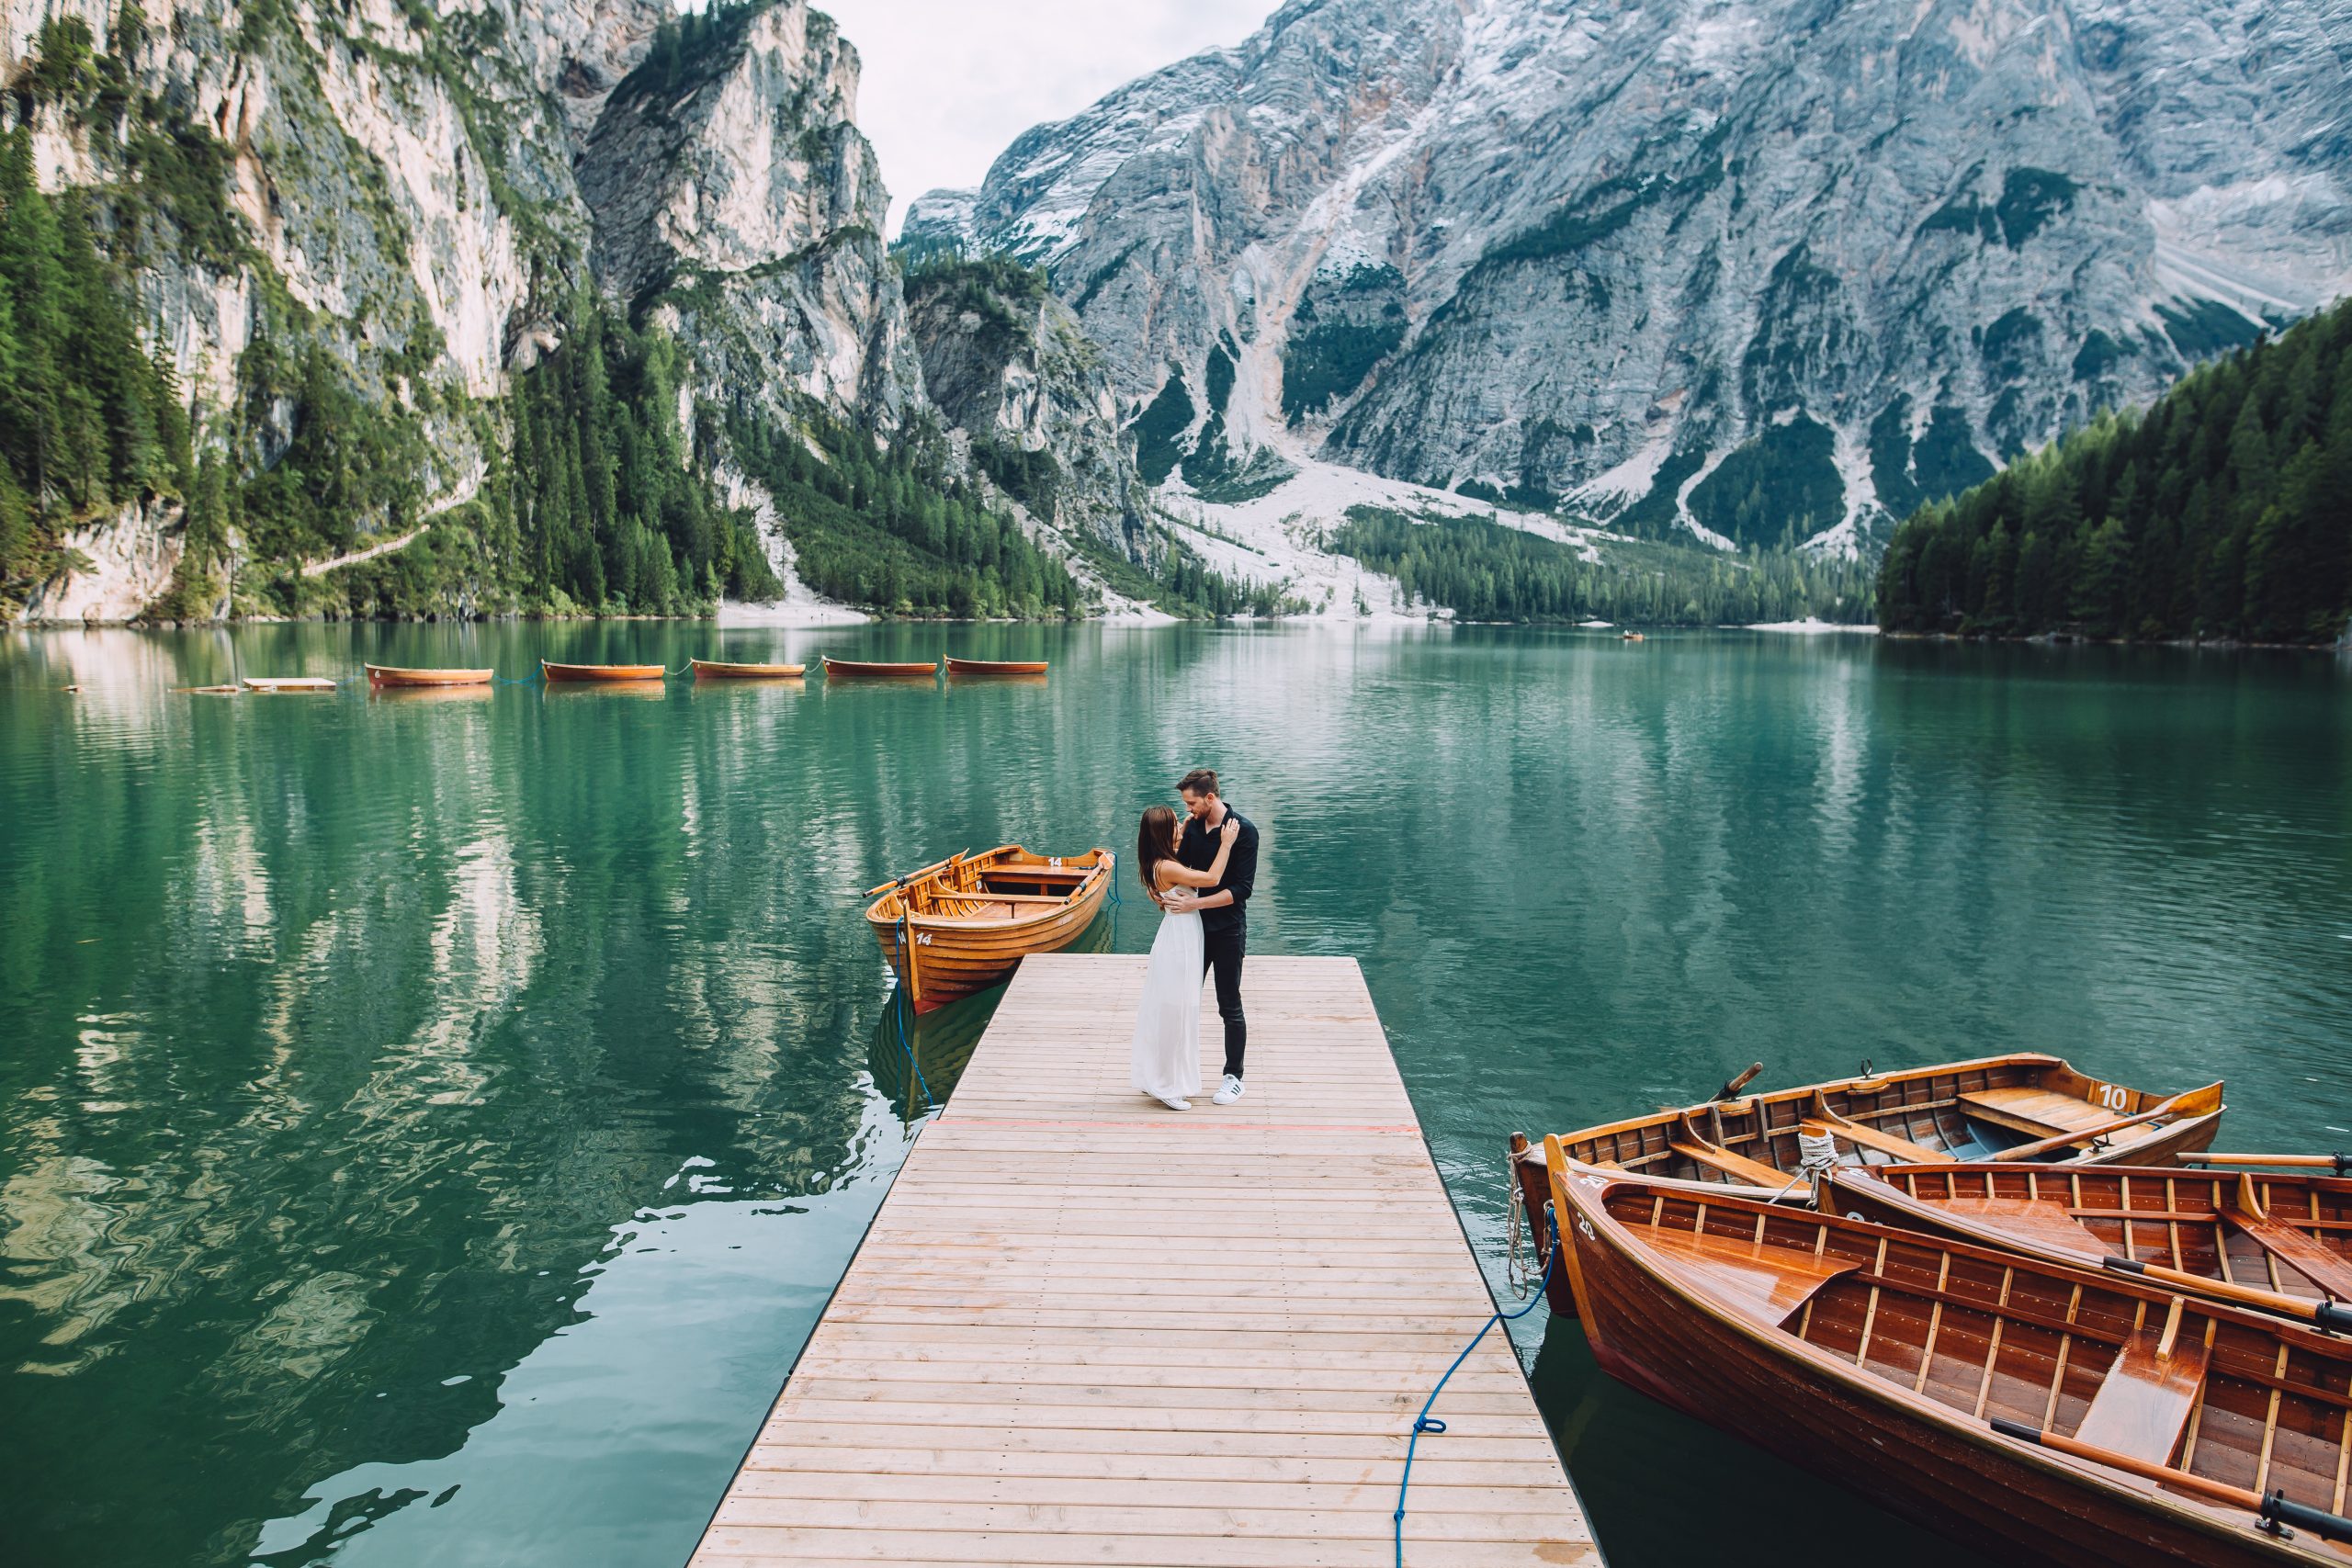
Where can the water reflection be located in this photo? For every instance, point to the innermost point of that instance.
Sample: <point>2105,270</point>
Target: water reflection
<point>407,1095</point>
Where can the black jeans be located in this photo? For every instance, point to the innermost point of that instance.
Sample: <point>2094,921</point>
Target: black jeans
<point>1221,950</point>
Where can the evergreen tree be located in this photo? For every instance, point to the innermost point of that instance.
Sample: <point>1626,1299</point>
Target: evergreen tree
<point>2225,511</point>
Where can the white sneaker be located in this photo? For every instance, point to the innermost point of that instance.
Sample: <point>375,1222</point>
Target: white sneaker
<point>1173,1104</point>
<point>1228,1091</point>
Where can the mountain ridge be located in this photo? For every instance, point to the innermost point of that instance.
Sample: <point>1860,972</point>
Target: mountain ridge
<point>1581,255</point>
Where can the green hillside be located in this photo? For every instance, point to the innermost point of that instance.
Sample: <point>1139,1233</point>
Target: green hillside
<point>2223,511</point>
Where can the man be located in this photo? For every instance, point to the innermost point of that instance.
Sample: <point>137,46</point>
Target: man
<point>1223,909</point>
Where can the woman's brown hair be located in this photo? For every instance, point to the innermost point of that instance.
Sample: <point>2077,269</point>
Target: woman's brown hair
<point>1152,845</point>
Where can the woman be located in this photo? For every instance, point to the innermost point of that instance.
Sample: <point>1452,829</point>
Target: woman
<point>1167,1049</point>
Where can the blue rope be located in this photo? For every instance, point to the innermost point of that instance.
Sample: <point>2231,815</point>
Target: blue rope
<point>1424,1422</point>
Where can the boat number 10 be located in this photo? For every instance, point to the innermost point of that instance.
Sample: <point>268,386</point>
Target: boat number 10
<point>2113,1096</point>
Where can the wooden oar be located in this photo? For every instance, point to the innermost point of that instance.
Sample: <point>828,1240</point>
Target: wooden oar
<point>1824,1120</point>
<point>2338,1165</point>
<point>1731,1088</point>
<point>2274,1507</point>
<point>2087,1135</point>
<point>2323,1314</point>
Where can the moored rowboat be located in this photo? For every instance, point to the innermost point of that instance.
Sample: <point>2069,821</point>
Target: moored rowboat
<point>392,675</point>
<point>288,684</point>
<point>962,925</point>
<point>996,666</point>
<point>839,667</point>
<point>554,672</point>
<point>2278,1241</point>
<point>2017,1108</point>
<point>717,670</point>
<point>2049,1414</point>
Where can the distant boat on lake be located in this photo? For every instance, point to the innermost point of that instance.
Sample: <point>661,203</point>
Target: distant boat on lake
<point>718,670</point>
<point>854,667</point>
<point>600,671</point>
<point>392,675</point>
<point>996,666</point>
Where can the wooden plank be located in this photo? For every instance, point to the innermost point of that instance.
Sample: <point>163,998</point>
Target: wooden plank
<point>1085,1328</point>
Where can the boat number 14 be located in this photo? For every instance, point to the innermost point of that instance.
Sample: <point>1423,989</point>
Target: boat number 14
<point>2113,1096</point>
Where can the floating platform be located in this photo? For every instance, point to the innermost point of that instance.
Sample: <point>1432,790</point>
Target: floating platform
<point>1088,1329</point>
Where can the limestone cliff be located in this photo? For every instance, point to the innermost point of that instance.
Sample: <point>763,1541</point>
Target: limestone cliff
<point>1749,269</point>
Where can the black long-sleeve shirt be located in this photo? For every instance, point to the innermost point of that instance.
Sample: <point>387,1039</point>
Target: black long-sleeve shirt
<point>1197,851</point>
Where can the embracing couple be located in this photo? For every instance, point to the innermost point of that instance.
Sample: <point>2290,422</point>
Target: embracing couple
<point>1199,868</point>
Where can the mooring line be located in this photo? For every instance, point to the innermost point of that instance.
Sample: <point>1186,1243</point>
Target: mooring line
<point>1424,1422</point>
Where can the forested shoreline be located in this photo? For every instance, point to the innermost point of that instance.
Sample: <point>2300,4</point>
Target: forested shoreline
<point>2221,513</point>
<point>1488,571</point>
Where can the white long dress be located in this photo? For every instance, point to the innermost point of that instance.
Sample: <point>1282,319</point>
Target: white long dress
<point>1167,1050</point>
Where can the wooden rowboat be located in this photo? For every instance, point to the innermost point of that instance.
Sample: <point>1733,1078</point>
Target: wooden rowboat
<point>835,667</point>
<point>997,666</point>
<point>2279,1241</point>
<point>962,925</point>
<point>391,675</point>
<point>600,671</point>
<point>288,684</point>
<point>2023,1107</point>
<point>2048,1413</point>
<point>714,670</point>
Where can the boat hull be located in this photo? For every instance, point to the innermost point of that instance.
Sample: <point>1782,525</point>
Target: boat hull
<point>852,668</point>
<point>601,671</point>
<point>2186,1227</point>
<point>996,667</point>
<point>1716,1367</point>
<point>953,956</point>
<point>716,669</point>
<point>390,675</point>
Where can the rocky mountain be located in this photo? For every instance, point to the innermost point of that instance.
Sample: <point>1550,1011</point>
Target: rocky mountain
<point>1763,270</point>
<point>368,305</point>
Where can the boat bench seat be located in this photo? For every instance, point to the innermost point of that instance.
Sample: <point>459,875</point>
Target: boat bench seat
<point>2045,1223</point>
<point>2040,1112</point>
<point>1761,1276</point>
<point>2144,1403</point>
<point>2331,1272</point>
<point>1739,1166</point>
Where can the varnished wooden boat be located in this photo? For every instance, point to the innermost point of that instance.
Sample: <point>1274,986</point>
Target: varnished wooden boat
<point>997,666</point>
<point>554,672</point>
<point>962,924</point>
<point>392,675</point>
<point>288,684</point>
<point>835,667</point>
<point>2050,1415</point>
<point>716,669</point>
<point>2023,1107</point>
<point>2280,1241</point>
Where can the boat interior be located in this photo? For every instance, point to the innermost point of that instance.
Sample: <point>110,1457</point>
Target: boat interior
<point>2026,1106</point>
<point>2163,1379</point>
<point>1002,885</point>
<point>2292,1235</point>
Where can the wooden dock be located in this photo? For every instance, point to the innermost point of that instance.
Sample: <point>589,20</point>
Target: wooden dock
<point>1088,1329</point>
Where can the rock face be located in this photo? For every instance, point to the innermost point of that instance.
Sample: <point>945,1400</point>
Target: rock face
<point>416,193</point>
<point>1006,362</point>
<point>738,195</point>
<point>1761,269</point>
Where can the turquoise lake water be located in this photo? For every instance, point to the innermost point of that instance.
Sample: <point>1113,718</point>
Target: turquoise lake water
<point>428,1126</point>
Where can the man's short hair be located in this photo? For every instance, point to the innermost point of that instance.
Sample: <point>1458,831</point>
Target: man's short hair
<point>1199,781</point>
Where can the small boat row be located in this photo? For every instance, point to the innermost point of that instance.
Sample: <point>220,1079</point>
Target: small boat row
<point>702,668</point>
<point>2020,1306</point>
<point>962,924</point>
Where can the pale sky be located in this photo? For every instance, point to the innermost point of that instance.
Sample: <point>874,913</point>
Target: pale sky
<point>948,84</point>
